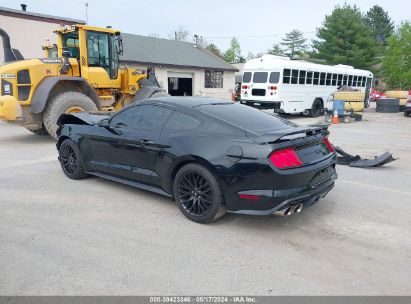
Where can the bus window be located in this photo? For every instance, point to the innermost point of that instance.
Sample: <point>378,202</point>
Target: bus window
<point>322,79</point>
<point>359,81</point>
<point>309,78</point>
<point>260,77</point>
<point>345,80</point>
<point>301,78</point>
<point>328,79</point>
<point>286,76</point>
<point>364,79</point>
<point>349,81</point>
<point>354,83</point>
<point>340,78</point>
<point>247,77</point>
<point>294,76</point>
<point>316,78</point>
<point>334,82</point>
<point>274,77</point>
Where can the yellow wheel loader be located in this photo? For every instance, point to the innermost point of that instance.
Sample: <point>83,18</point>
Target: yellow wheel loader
<point>84,76</point>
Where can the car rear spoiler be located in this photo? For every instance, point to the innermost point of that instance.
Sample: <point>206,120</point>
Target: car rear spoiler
<point>288,134</point>
<point>81,118</point>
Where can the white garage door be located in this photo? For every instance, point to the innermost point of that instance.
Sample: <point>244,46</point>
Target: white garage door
<point>179,75</point>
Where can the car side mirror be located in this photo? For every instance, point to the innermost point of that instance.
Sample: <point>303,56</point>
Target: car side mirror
<point>104,123</point>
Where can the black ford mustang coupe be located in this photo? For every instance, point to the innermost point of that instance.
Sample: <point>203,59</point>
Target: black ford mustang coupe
<point>210,155</point>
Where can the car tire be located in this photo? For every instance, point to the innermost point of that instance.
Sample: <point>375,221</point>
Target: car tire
<point>198,194</point>
<point>388,102</point>
<point>316,108</point>
<point>70,160</point>
<point>66,102</point>
<point>406,114</point>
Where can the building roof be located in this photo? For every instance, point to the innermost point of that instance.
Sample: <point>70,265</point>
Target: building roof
<point>158,51</point>
<point>36,16</point>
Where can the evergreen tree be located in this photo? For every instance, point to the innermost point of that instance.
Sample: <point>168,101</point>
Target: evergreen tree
<point>380,23</point>
<point>345,38</point>
<point>233,54</point>
<point>294,42</point>
<point>397,60</point>
<point>276,50</point>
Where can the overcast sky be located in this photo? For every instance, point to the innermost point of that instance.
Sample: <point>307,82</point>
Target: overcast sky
<point>258,23</point>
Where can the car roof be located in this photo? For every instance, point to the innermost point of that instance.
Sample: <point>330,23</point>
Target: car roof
<point>184,101</point>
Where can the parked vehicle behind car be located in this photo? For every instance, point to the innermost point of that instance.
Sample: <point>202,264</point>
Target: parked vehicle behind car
<point>210,155</point>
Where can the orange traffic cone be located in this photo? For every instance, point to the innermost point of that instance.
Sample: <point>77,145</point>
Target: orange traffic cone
<point>336,120</point>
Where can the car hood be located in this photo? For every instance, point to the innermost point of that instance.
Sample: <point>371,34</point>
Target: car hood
<point>82,118</point>
<point>289,133</point>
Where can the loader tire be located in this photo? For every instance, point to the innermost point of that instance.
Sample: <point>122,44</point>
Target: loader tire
<point>67,102</point>
<point>397,94</point>
<point>40,132</point>
<point>350,96</point>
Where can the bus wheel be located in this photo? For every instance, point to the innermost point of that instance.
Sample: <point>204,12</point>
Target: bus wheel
<point>316,109</point>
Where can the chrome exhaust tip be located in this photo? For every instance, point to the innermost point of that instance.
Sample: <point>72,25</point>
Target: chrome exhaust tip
<point>285,212</point>
<point>298,208</point>
<point>289,211</point>
<point>306,112</point>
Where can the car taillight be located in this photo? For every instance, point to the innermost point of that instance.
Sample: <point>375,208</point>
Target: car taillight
<point>286,158</point>
<point>329,145</point>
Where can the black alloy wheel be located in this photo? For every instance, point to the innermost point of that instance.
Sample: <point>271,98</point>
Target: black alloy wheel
<point>195,194</point>
<point>198,194</point>
<point>70,160</point>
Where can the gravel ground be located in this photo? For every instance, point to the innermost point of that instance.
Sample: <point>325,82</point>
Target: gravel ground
<point>96,237</point>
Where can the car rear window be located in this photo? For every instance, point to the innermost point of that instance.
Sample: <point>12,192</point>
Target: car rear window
<point>251,119</point>
<point>260,77</point>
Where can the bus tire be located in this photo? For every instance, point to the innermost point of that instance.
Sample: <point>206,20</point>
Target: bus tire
<point>316,108</point>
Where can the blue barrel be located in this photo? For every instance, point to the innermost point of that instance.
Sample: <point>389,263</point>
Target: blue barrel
<point>339,106</point>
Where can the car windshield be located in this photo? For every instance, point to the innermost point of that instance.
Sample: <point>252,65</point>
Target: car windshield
<point>253,120</point>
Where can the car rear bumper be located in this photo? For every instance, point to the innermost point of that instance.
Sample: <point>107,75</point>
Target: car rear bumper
<point>271,201</point>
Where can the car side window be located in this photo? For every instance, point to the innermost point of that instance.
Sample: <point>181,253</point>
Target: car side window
<point>144,117</point>
<point>180,122</point>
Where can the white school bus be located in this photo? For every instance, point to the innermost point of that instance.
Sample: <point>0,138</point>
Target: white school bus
<point>296,86</point>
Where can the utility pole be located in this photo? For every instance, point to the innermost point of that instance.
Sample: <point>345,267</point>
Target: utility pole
<point>86,3</point>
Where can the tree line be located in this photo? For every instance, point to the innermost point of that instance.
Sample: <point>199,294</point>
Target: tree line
<point>347,36</point>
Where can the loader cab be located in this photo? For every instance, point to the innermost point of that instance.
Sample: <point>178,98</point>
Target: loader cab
<point>97,52</point>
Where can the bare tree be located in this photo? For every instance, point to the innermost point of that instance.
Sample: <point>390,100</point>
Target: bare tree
<point>180,34</point>
<point>200,41</point>
<point>154,35</point>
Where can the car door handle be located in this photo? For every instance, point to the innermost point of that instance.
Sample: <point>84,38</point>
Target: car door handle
<point>146,142</point>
